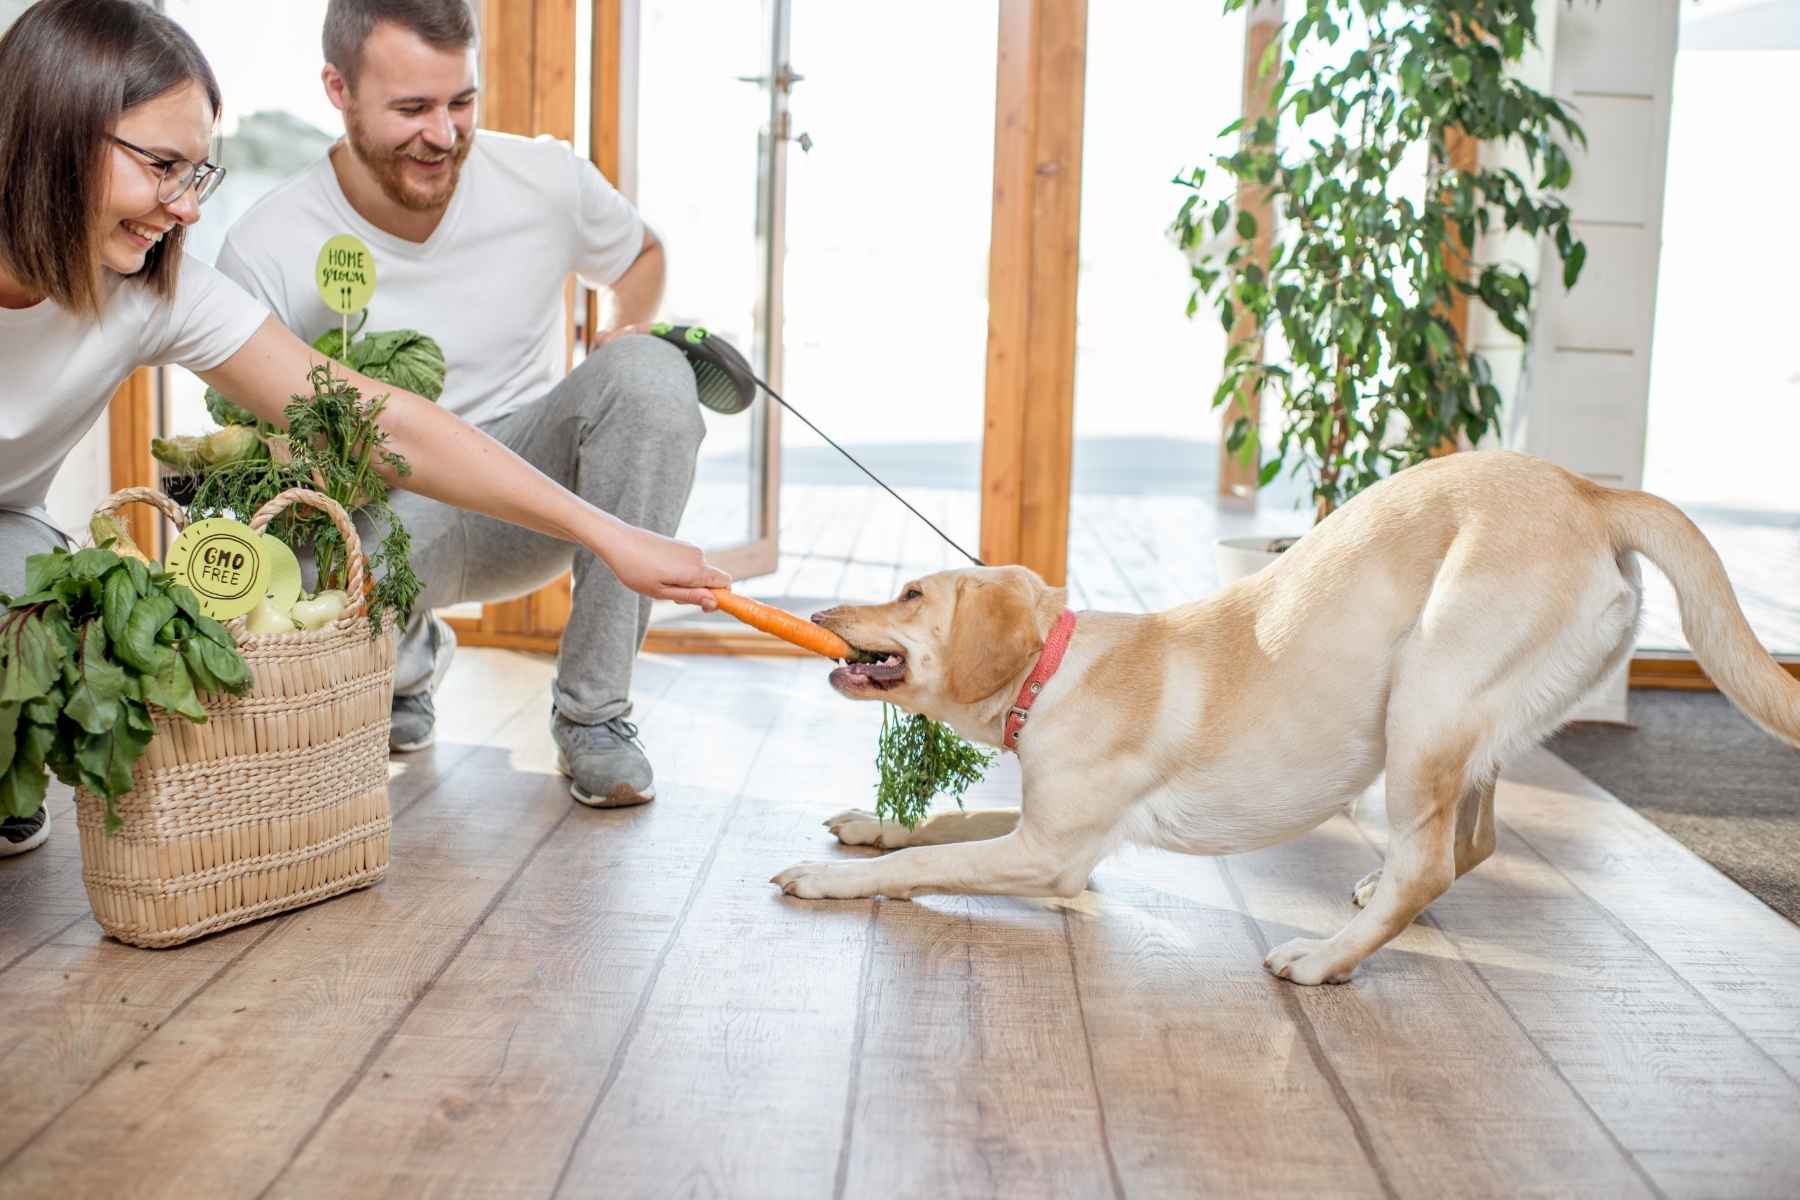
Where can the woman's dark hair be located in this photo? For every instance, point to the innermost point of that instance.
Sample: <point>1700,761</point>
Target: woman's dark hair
<point>68,70</point>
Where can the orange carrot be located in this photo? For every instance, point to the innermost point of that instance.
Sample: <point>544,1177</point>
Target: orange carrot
<point>784,625</point>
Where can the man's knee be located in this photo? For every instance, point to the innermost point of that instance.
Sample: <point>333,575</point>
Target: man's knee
<point>652,386</point>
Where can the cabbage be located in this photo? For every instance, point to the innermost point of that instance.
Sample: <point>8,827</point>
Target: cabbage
<point>402,358</point>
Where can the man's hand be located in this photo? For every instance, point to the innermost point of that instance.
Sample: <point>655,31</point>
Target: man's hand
<point>664,568</point>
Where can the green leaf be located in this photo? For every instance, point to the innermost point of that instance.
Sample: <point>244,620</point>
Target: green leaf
<point>138,649</point>
<point>1460,70</point>
<point>119,596</point>
<point>9,724</point>
<point>31,660</point>
<point>173,689</point>
<point>90,711</point>
<point>1573,263</point>
<point>1267,475</point>
<point>1221,214</point>
<point>1514,38</point>
<point>204,625</point>
<point>42,570</point>
<point>1440,341</point>
<point>91,563</point>
<point>404,358</point>
<point>204,679</point>
<point>138,720</point>
<point>22,789</point>
<point>46,708</point>
<point>105,764</point>
<point>227,667</point>
<point>140,576</point>
<point>224,412</point>
<point>1246,225</point>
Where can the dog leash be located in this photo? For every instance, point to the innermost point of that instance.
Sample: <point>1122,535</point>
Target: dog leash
<point>727,385</point>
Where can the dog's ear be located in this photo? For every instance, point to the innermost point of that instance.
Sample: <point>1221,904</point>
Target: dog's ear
<point>993,636</point>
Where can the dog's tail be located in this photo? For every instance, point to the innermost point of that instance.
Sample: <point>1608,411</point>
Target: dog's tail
<point>1710,616</point>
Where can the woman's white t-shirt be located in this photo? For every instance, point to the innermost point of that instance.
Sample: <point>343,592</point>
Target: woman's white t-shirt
<point>59,369</point>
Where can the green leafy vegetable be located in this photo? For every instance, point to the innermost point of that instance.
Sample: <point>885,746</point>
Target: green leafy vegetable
<point>98,639</point>
<point>402,358</point>
<point>337,447</point>
<point>918,758</point>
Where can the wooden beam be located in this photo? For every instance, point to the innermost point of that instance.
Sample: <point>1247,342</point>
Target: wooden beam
<point>1028,438</point>
<point>131,423</point>
<point>507,28</point>
<point>605,112</point>
<point>1681,672</point>
<point>528,68</point>
<point>1262,29</point>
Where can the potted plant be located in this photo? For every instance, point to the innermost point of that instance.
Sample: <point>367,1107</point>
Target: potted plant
<point>1349,321</point>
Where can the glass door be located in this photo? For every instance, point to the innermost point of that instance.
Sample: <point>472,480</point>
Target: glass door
<point>1724,409</point>
<point>705,161</point>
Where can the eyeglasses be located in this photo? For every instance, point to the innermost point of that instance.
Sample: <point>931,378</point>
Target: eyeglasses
<point>178,175</point>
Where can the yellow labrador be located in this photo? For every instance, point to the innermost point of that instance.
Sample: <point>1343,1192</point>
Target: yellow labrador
<point>1435,625</point>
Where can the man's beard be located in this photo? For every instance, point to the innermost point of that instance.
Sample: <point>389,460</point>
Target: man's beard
<point>390,171</point>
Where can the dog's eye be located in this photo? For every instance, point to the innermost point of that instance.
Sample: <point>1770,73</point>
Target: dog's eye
<point>913,594</point>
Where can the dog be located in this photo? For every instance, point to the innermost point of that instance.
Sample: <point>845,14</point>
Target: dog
<point>1432,627</point>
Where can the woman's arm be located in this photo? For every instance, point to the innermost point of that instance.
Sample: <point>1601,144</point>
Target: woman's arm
<point>456,463</point>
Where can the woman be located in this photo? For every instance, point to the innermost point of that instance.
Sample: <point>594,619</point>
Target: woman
<point>106,112</point>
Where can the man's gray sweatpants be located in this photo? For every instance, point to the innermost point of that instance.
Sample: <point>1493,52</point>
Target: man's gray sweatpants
<point>21,536</point>
<point>622,431</point>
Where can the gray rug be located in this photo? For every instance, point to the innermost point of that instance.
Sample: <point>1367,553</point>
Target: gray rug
<point>1709,778</point>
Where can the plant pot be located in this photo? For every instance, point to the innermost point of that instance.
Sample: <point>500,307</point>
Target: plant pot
<point>1238,557</point>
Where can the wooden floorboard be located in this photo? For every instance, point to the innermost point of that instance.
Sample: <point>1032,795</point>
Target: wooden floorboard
<point>542,999</point>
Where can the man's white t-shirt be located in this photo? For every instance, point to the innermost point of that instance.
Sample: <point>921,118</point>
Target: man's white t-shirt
<point>487,285</point>
<point>60,369</point>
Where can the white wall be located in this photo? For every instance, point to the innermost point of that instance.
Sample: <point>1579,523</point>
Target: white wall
<point>1579,395</point>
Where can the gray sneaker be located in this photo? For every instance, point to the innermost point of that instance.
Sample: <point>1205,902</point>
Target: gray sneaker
<point>19,834</point>
<point>413,725</point>
<point>605,762</point>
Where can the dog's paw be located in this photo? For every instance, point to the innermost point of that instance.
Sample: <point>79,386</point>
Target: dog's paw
<point>1364,891</point>
<point>855,827</point>
<point>824,881</point>
<point>1306,961</point>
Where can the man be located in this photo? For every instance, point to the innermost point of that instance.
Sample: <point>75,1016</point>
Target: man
<point>473,234</point>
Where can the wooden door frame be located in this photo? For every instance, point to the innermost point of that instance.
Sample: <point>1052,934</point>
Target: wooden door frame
<point>528,62</point>
<point>130,424</point>
<point>1027,446</point>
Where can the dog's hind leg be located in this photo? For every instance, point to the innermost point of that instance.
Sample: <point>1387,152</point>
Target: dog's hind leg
<point>1474,838</point>
<point>1424,789</point>
<point>857,827</point>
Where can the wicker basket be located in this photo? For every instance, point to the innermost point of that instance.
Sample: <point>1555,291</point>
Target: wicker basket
<point>279,800</point>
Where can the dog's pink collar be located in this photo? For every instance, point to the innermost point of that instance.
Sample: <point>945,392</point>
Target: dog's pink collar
<point>1048,660</point>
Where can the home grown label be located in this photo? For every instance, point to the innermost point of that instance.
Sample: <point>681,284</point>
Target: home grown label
<point>345,274</point>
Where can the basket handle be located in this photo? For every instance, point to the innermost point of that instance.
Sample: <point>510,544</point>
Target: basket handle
<point>110,506</point>
<point>359,602</point>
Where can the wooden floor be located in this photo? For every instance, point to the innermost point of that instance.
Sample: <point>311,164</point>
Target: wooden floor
<point>541,999</point>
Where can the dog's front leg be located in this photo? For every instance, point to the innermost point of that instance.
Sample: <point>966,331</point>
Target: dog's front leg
<point>856,827</point>
<point>1014,865</point>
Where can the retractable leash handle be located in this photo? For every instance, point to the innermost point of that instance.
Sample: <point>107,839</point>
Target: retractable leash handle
<point>727,385</point>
